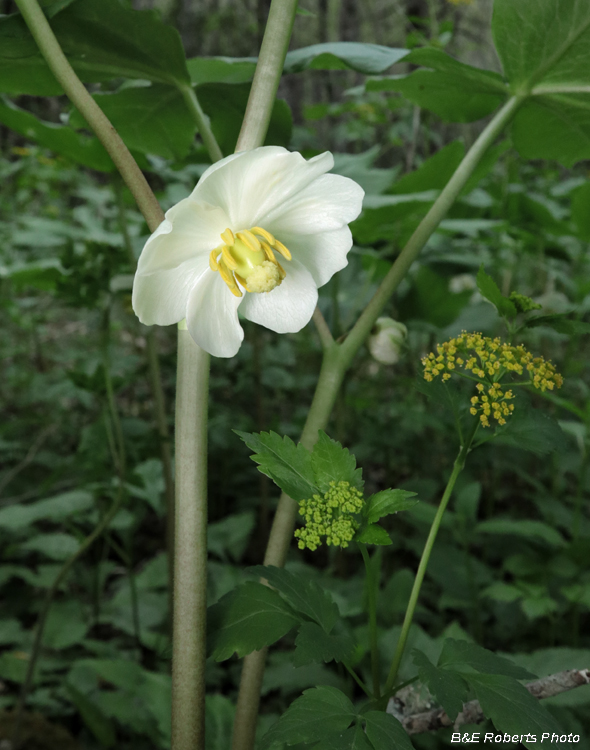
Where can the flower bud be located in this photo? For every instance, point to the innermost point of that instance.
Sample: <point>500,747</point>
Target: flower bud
<point>386,340</point>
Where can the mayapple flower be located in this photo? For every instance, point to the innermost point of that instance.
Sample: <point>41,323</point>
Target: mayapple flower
<point>261,232</point>
<point>386,340</point>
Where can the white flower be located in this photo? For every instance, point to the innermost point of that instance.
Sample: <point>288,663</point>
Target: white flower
<point>217,249</point>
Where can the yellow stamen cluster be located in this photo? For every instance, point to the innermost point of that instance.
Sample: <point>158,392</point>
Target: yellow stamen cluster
<point>248,257</point>
<point>330,516</point>
<point>487,360</point>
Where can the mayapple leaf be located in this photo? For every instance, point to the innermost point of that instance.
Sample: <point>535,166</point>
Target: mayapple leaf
<point>512,708</point>
<point>386,502</point>
<point>385,732</point>
<point>370,59</point>
<point>457,654</point>
<point>247,619</point>
<point>313,644</point>
<point>287,464</point>
<point>489,289</point>
<point>449,688</point>
<point>305,596</point>
<point>317,714</point>
<point>373,534</point>
<point>333,463</point>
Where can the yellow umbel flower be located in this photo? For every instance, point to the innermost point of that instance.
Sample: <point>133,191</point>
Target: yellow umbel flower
<point>330,516</point>
<point>487,361</point>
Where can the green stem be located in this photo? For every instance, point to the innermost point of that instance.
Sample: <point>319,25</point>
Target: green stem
<point>203,124</point>
<point>337,359</point>
<point>268,74</point>
<point>190,548</point>
<point>89,109</point>
<point>372,585</point>
<point>411,608</point>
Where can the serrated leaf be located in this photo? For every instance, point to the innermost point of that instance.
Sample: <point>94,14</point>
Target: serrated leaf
<point>449,688</point>
<point>489,289</point>
<point>512,708</point>
<point>456,654</point>
<point>303,595</point>
<point>560,323</point>
<point>317,714</point>
<point>353,738</point>
<point>313,644</point>
<point>333,463</point>
<point>247,619</point>
<point>385,732</point>
<point>287,464</point>
<point>373,534</point>
<point>386,502</point>
<point>531,430</point>
<point>525,528</point>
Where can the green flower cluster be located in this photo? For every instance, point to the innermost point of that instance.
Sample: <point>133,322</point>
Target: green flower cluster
<point>330,516</point>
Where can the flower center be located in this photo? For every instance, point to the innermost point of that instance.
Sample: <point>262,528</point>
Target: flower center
<point>248,257</point>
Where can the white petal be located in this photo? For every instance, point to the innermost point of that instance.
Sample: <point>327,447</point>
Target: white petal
<point>289,307</point>
<point>161,297</point>
<point>190,229</point>
<point>212,316</point>
<point>322,254</point>
<point>328,203</point>
<point>254,183</point>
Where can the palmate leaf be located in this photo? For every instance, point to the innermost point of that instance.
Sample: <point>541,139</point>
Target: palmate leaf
<point>303,595</point>
<point>247,619</point>
<point>448,687</point>
<point>319,713</point>
<point>287,464</point>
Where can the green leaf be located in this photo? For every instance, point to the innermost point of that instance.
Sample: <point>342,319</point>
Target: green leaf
<point>449,689</point>
<point>304,595</point>
<point>151,119</point>
<point>56,508</point>
<point>221,69</point>
<point>100,726</point>
<point>225,105</point>
<point>319,712</point>
<point>489,289</point>
<point>313,644</point>
<point>333,463</point>
<point>434,173</point>
<point>59,138</point>
<point>247,619</point>
<point>531,430</point>
<point>219,719</point>
<point>230,536</point>
<point>288,465</point>
<point>42,273</point>
<point>502,592</point>
<point>512,708</point>
<point>533,530</point>
<point>385,732</point>
<point>373,534</point>
<point>386,502</point>
<point>102,41</point>
<point>353,738</point>
<point>370,59</point>
<point>66,625</point>
<point>429,299</point>
<point>560,323</point>
<point>580,213</point>
<point>56,546</point>
<point>456,654</point>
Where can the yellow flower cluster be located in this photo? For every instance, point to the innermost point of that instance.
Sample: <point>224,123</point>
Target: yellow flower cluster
<point>488,360</point>
<point>330,516</point>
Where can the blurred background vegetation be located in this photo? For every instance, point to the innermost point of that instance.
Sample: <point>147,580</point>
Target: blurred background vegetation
<point>78,412</point>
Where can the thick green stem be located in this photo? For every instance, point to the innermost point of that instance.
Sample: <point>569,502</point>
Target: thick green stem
<point>89,109</point>
<point>268,74</point>
<point>411,608</point>
<point>372,585</point>
<point>190,548</point>
<point>202,121</point>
